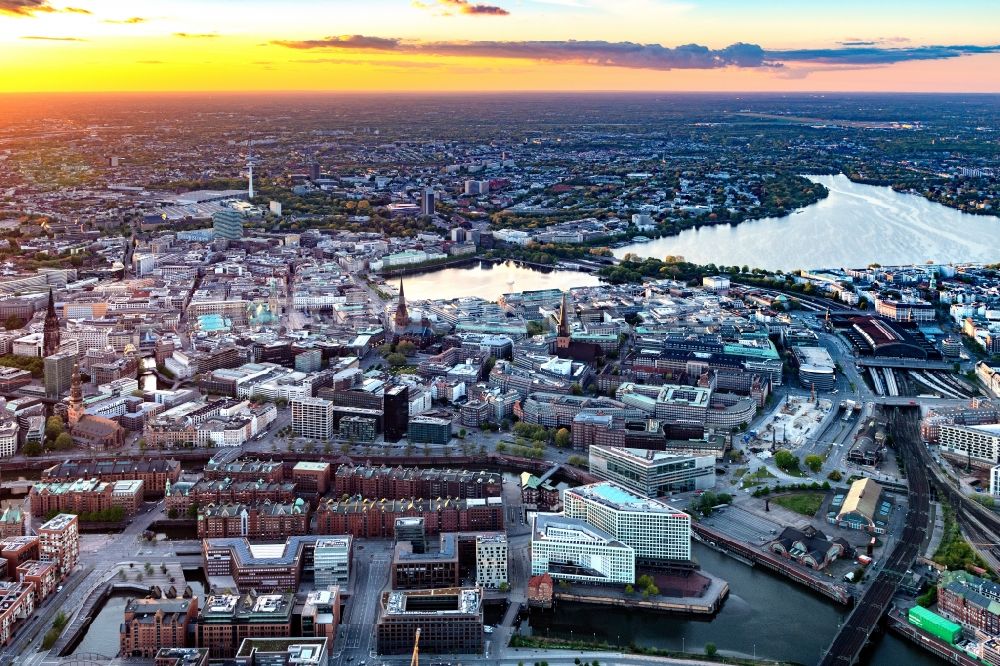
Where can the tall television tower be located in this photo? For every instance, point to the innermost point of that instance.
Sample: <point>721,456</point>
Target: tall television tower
<point>250,163</point>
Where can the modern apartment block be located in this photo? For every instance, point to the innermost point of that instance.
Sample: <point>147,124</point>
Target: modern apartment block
<point>655,530</point>
<point>17,603</point>
<point>491,560</point>
<point>312,417</point>
<point>571,549</point>
<point>60,542</point>
<point>652,473</point>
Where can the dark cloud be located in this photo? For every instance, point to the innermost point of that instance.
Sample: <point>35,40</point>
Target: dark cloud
<point>46,38</point>
<point>644,56</point>
<point>448,7</point>
<point>876,55</point>
<point>857,43</point>
<point>129,21</point>
<point>77,10</point>
<point>196,35</point>
<point>611,54</point>
<point>475,9</point>
<point>343,42</point>
<point>25,7</point>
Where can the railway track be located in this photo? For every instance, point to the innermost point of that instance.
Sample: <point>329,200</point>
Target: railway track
<point>861,623</point>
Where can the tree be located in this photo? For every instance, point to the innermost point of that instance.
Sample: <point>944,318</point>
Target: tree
<point>562,438</point>
<point>629,589</point>
<point>396,359</point>
<point>576,389</point>
<point>786,461</point>
<point>63,442</point>
<point>32,449</point>
<point>710,649</point>
<point>142,444</point>
<point>814,462</point>
<point>406,348</point>
<point>53,427</point>
<point>13,322</point>
<point>462,433</point>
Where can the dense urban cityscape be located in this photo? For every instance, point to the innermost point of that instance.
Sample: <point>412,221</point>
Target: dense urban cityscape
<point>498,378</point>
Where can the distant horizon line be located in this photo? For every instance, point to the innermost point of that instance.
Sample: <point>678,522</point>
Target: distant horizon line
<point>26,93</point>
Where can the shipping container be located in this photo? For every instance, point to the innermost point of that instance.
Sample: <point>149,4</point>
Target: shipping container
<point>934,624</point>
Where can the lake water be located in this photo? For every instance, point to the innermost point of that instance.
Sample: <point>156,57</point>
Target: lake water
<point>490,280</point>
<point>765,613</point>
<point>854,226</point>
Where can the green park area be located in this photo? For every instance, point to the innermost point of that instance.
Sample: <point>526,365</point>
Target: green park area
<point>806,504</point>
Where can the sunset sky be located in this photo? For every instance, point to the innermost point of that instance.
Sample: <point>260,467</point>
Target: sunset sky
<point>474,45</point>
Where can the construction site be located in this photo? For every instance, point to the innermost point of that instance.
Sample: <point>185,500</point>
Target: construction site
<point>791,424</point>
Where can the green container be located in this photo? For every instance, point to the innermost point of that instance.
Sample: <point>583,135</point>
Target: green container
<point>934,624</point>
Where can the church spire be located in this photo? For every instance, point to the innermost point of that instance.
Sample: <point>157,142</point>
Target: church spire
<point>402,318</point>
<point>50,332</point>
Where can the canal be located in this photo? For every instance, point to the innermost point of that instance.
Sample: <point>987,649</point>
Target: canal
<point>102,634</point>
<point>764,614</point>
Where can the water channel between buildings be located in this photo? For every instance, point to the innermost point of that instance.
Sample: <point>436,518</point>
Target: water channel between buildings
<point>765,613</point>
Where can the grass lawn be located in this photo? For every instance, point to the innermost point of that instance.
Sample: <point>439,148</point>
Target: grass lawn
<point>806,504</point>
<point>756,478</point>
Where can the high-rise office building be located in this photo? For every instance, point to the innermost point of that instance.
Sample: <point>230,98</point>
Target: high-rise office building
<point>427,201</point>
<point>58,370</point>
<point>227,224</point>
<point>396,405</point>
<point>312,417</point>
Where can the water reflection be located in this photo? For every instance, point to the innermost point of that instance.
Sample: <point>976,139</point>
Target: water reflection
<point>490,281</point>
<point>855,226</point>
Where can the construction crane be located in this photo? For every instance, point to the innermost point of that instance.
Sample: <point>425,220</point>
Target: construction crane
<point>415,658</point>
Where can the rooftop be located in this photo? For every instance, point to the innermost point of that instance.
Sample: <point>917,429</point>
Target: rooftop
<point>616,497</point>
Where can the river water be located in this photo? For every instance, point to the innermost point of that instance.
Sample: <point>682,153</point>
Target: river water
<point>854,226</point>
<point>763,614</point>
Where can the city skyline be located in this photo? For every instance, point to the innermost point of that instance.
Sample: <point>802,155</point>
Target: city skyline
<point>497,45</point>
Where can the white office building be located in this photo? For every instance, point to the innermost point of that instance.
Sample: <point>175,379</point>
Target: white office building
<point>312,417</point>
<point>332,561</point>
<point>652,473</point>
<point>491,560</point>
<point>978,442</point>
<point>652,528</point>
<point>572,549</point>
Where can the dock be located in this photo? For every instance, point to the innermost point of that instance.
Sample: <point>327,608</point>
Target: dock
<point>749,555</point>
